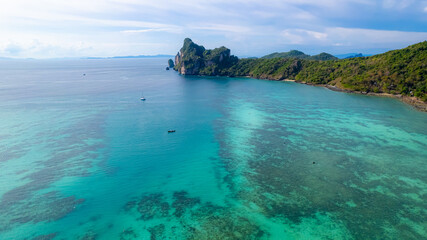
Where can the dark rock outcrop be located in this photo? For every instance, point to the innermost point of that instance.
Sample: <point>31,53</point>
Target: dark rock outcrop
<point>170,63</point>
<point>194,59</point>
<point>355,56</point>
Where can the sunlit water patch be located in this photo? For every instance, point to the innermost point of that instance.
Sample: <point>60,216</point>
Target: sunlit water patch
<point>83,158</point>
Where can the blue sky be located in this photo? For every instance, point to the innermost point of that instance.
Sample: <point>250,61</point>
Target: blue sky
<point>76,28</point>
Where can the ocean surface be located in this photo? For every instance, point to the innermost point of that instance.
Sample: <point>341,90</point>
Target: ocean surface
<point>81,157</point>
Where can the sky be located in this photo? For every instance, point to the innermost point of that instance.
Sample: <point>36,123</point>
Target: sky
<point>103,28</point>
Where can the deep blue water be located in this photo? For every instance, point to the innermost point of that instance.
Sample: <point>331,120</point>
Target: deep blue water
<point>81,157</point>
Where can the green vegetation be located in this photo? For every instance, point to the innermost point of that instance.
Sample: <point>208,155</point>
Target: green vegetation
<point>401,71</point>
<point>323,57</point>
<point>290,54</point>
<point>300,55</point>
<point>397,72</point>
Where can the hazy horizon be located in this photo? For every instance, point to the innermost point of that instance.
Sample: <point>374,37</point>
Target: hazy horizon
<point>107,28</point>
<point>160,55</point>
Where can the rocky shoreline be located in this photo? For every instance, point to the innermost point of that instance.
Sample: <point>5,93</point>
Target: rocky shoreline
<point>413,101</point>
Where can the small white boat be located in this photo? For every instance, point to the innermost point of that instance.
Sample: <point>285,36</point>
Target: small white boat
<point>142,97</point>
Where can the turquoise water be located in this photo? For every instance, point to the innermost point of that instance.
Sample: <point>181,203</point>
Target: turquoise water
<point>82,157</point>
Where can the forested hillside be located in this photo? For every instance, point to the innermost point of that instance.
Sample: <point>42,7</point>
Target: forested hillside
<point>401,71</point>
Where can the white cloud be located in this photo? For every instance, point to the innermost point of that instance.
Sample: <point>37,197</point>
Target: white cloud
<point>372,36</point>
<point>397,4</point>
<point>239,29</point>
<point>124,27</point>
<point>147,30</point>
<point>338,36</point>
<point>76,45</point>
<point>35,48</point>
<point>303,36</point>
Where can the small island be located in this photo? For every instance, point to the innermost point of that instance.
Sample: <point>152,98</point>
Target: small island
<point>398,73</point>
<point>170,63</point>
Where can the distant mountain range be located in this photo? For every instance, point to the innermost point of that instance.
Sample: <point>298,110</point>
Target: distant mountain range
<point>138,56</point>
<point>322,56</point>
<point>115,57</point>
<point>290,54</point>
<point>351,55</point>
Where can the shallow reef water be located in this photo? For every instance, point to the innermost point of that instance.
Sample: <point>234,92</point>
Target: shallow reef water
<point>82,157</point>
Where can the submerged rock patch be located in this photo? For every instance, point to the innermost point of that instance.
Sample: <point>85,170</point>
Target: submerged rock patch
<point>190,218</point>
<point>153,206</point>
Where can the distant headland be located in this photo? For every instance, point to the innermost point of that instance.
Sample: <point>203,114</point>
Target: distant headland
<point>137,56</point>
<point>398,73</point>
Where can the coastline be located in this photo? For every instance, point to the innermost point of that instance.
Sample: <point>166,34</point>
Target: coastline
<point>416,103</point>
<point>413,101</point>
<point>222,63</point>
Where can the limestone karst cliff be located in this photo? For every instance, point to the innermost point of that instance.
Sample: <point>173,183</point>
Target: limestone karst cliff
<point>193,59</point>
